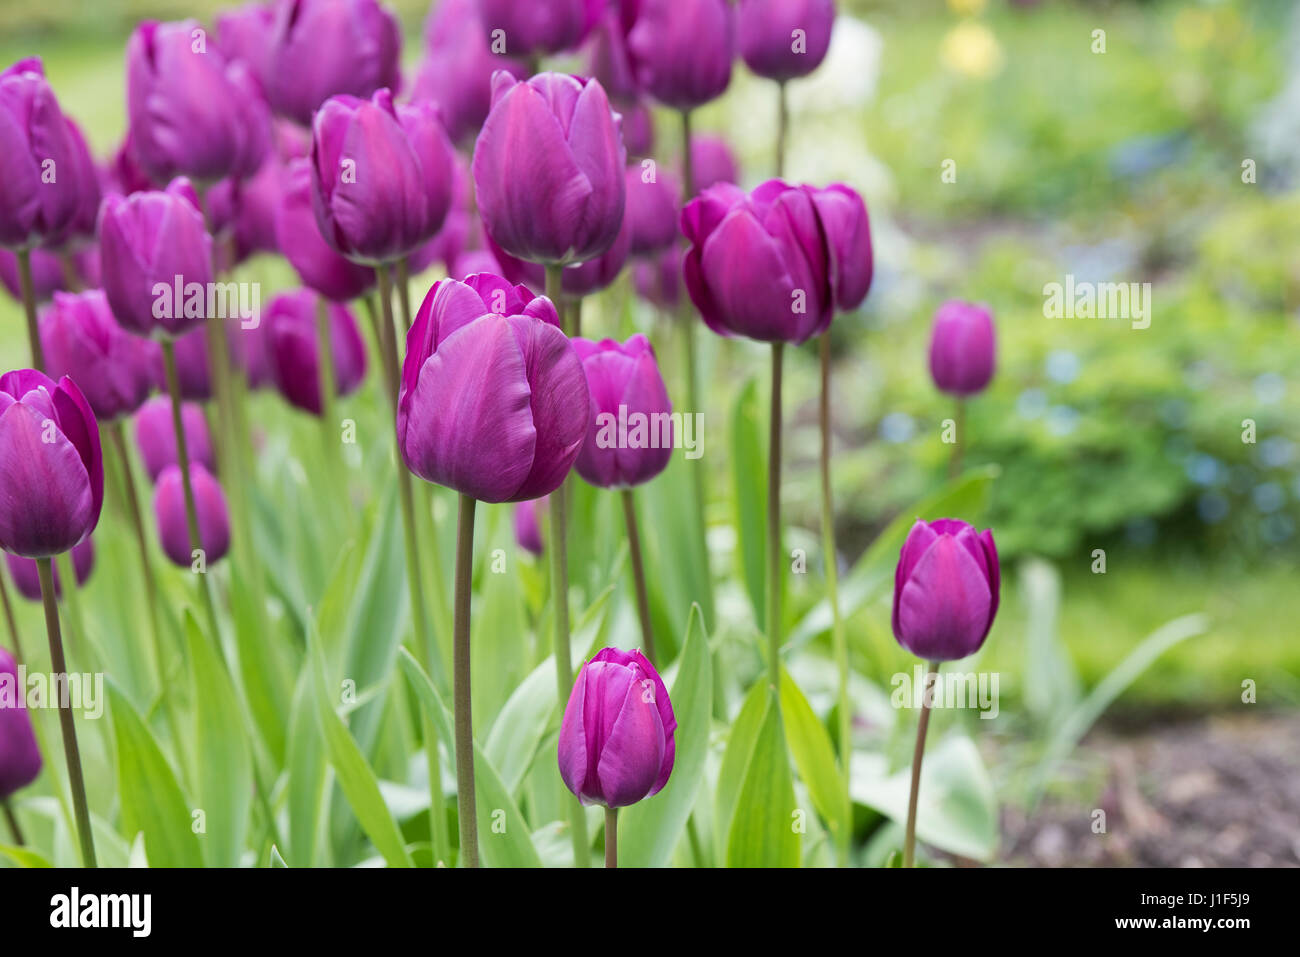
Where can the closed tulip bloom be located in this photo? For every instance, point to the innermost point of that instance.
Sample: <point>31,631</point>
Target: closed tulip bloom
<point>617,738</point>
<point>638,129</point>
<point>299,238</point>
<point>682,50</point>
<point>47,274</point>
<point>20,756</point>
<point>40,193</point>
<point>946,589</point>
<point>149,239</point>
<point>125,174</point>
<point>540,26</point>
<point>381,176</point>
<point>324,48</point>
<point>155,436</point>
<point>625,387</point>
<point>493,400</point>
<point>577,279</point>
<point>246,34</point>
<point>51,467</point>
<point>26,576</point>
<point>653,206</point>
<point>962,348</point>
<point>294,351</point>
<point>86,187</point>
<point>548,169</point>
<point>527,521</point>
<point>784,39</point>
<point>608,60</point>
<point>193,367</point>
<point>712,162</point>
<point>848,232</point>
<point>209,503</point>
<point>82,340</point>
<point>248,352</point>
<point>658,280</point>
<point>192,113</point>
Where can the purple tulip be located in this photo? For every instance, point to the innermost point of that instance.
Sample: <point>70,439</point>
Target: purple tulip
<point>527,519</point>
<point>26,576</point>
<point>86,186</point>
<point>616,740</point>
<point>848,231</point>
<point>493,401</point>
<point>191,112</point>
<point>653,207</point>
<point>946,589</point>
<point>317,264</point>
<point>40,189</point>
<point>658,280</point>
<point>324,48</point>
<point>193,367</point>
<point>148,243</point>
<point>83,341</point>
<point>784,39</point>
<point>381,176</point>
<point>540,26</point>
<point>682,50</point>
<point>629,432</point>
<point>209,503</point>
<point>577,279</point>
<point>294,351</point>
<point>155,436</point>
<point>608,60</point>
<point>962,348</point>
<point>243,211</point>
<point>246,34</point>
<point>51,467</point>
<point>712,162</point>
<point>47,274</point>
<point>249,352</point>
<point>125,174</point>
<point>638,129</point>
<point>548,169</point>
<point>474,260</point>
<point>20,756</point>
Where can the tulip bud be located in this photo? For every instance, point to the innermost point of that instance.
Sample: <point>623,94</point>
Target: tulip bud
<point>712,162</point>
<point>616,740</point>
<point>317,264</point>
<point>540,26</point>
<point>848,234</point>
<point>41,193</point>
<point>82,340</point>
<point>325,48</point>
<point>20,757</point>
<point>248,352</point>
<point>682,50</point>
<point>946,590</point>
<point>51,467</point>
<point>784,39</point>
<point>608,60</point>
<point>528,530</point>
<point>629,433</point>
<point>27,577</point>
<point>246,34</point>
<point>155,436</point>
<point>125,175</point>
<point>659,280</point>
<point>653,207</point>
<point>294,349</point>
<point>548,169</point>
<point>493,400</point>
<point>149,243</point>
<point>209,503</point>
<point>638,129</point>
<point>85,184</point>
<point>962,348</point>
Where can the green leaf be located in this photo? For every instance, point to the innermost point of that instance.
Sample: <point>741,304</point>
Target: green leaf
<point>762,830</point>
<point>23,856</point>
<point>814,756</point>
<point>262,670</point>
<point>740,747</point>
<point>749,497</point>
<point>307,797</point>
<point>151,799</point>
<point>276,860</point>
<point>650,829</point>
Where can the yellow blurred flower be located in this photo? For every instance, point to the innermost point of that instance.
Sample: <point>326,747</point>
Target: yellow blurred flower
<point>971,49</point>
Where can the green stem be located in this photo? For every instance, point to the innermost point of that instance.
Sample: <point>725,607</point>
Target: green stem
<point>959,427</point>
<point>909,837</point>
<point>325,371</point>
<point>774,558</point>
<point>10,621</point>
<point>12,820</point>
<point>782,127</point>
<point>404,291</point>
<point>638,573</point>
<point>611,837</point>
<point>28,290</point>
<point>437,817</point>
<point>461,684</point>
<point>71,752</point>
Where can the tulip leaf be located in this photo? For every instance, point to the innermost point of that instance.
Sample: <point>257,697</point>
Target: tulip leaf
<point>151,799</point>
<point>23,856</point>
<point>497,629</point>
<point>763,831</point>
<point>749,496</point>
<point>740,747</point>
<point>814,756</point>
<point>308,798</point>
<point>649,830</point>
<point>262,671</point>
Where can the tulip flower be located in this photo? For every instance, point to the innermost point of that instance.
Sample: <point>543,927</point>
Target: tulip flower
<point>325,48</point>
<point>658,280</point>
<point>26,576</point>
<point>248,352</point>
<point>210,508</point>
<point>540,26</point>
<point>712,162</point>
<point>246,34</point>
<point>653,207</point>
<point>607,56</point>
<point>946,590</point>
<point>20,756</point>
<point>616,743</point>
<point>962,348</point>
<point>548,169</point>
<point>192,113</point>
<point>125,175</point>
<point>193,367</point>
<point>114,369</point>
<point>40,191</point>
<point>85,183</point>
<point>150,242</point>
<point>46,274</point>
<point>249,216</point>
<point>156,438</point>
<point>784,39</point>
<point>317,264</point>
<point>293,349</point>
<point>638,129</point>
<point>578,279</point>
<point>528,530</point>
<point>682,50</point>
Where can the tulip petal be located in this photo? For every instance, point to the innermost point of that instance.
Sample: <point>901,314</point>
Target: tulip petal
<point>634,749</point>
<point>46,504</point>
<point>573,756</point>
<point>944,605</point>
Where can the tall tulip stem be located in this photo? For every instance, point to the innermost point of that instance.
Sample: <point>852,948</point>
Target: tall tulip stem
<point>638,573</point>
<point>71,752</point>
<point>403,276</point>
<point>611,837</point>
<point>9,619</point>
<point>461,684</point>
<point>959,439</point>
<point>28,291</point>
<point>782,127</point>
<point>325,371</point>
<point>927,694</point>
<point>774,558</point>
<point>12,820</point>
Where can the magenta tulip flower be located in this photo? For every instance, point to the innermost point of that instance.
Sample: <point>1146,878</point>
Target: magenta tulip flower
<point>325,48</point>
<point>638,129</point>
<point>962,348</point>
<point>577,279</point>
<point>40,189</point>
<point>784,39</point>
<point>155,436</point>
<point>294,351</point>
<point>47,274</point>
<point>247,34</point>
<point>712,162</point>
<point>607,56</point>
<point>528,525</point>
<point>86,185</point>
<point>848,233</point>
<point>682,50</point>
<point>20,756</point>
<point>193,367</point>
<point>248,352</point>
<point>540,26</point>
<point>299,238</point>
<point>114,369</point>
<point>125,175</point>
<point>548,169</point>
<point>617,738</point>
<point>51,466</point>
<point>209,502</point>
<point>148,243</point>
<point>493,400</point>
<point>653,208</point>
<point>946,590</point>
<point>629,432</point>
<point>26,576</point>
<point>658,280</point>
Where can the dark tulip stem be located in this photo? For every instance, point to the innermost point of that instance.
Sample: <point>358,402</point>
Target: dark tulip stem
<point>611,837</point>
<point>688,170</point>
<point>638,573</point>
<point>28,290</point>
<point>575,312</point>
<point>465,798</point>
<point>325,371</point>
<point>68,267</point>
<point>76,781</point>
<point>10,621</point>
<point>774,557</point>
<point>12,820</point>
<point>927,693</point>
<point>403,276</point>
<point>782,127</point>
<point>959,443</point>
